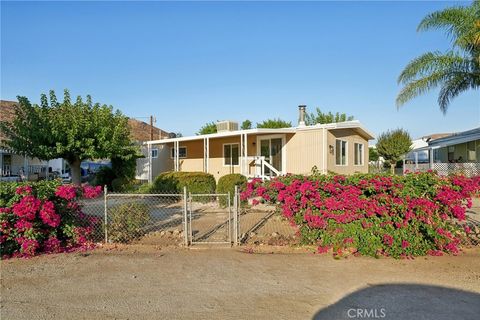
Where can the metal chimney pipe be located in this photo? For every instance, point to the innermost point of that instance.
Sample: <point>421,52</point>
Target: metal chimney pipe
<point>301,115</point>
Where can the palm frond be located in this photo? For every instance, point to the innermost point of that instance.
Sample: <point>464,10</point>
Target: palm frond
<point>452,87</point>
<point>430,62</point>
<point>420,86</point>
<point>460,24</point>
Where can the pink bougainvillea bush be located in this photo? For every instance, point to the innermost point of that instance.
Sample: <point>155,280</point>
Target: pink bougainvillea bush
<point>399,216</point>
<point>44,217</point>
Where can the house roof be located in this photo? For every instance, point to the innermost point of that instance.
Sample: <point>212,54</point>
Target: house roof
<point>356,125</point>
<point>456,138</point>
<point>7,114</point>
<point>141,131</point>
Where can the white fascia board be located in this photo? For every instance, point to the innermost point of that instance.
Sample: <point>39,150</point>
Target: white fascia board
<point>223,134</point>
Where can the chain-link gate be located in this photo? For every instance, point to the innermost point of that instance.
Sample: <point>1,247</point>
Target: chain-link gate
<point>210,219</point>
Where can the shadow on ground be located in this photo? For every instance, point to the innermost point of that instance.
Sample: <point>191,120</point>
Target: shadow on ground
<point>404,301</point>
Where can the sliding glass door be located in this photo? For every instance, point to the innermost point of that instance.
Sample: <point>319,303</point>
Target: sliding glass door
<point>271,149</point>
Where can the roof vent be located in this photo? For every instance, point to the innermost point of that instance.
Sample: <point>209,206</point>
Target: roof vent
<point>224,126</point>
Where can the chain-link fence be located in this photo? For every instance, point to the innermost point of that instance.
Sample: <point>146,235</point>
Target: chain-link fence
<point>145,218</point>
<point>184,219</point>
<point>162,219</point>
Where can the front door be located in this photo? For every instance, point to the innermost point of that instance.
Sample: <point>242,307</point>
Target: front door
<point>271,149</point>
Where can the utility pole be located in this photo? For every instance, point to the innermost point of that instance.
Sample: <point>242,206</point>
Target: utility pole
<point>151,127</point>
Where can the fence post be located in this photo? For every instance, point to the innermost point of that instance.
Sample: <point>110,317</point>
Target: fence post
<point>185,223</point>
<point>235,216</point>
<point>229,219</point>
<point>105,212</point>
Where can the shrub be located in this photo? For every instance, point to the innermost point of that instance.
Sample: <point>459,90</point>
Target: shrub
<point>128,222</point>
<point>104,177</point>
<point>174,182</point>
<point>44,217</point>
<point>398,216</point>
<point>227,184</point>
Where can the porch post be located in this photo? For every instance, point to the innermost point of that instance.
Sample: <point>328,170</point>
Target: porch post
<point>150,175</point>
<point>25,166</point>
<point>430,153</point>
<point>177,156</point>
<point>324,151</point>
<point>1,163</point>
<point>242,155</point>
<point>245,154</point>
<point>416,160</point>
<point>208,154</point>
<point>175,152</point>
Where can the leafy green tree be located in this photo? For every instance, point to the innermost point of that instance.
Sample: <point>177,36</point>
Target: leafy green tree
<point>247,124</point>
<point>454,71</point>
<point>208,128</point>
<point>274,124</point>
<point>373,154</point>
<point>323,118</point>
<point>72,131</point>
<point>392,145</point>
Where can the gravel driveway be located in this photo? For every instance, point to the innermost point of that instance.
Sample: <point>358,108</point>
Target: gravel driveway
<point>144,282</point>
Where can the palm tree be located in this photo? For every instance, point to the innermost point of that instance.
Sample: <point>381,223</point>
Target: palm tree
<point>454,71</point>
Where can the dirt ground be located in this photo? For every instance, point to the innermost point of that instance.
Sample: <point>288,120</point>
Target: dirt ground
<point>264,282</point>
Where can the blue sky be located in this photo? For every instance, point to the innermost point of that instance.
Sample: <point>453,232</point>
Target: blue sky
<point>188,63</point>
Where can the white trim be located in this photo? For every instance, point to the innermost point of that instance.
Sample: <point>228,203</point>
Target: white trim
<point>362,154</point>
<point>150,171</point>
<point>284,148</point>
<point>331,126</point>
<point>179,147</point>
<point>231,158</point>
<point>324,151</point>
<point>346,153</point>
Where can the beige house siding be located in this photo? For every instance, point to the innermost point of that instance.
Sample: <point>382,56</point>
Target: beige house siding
<point>305,150</point>
<point>163,162</point>
<point>352,137</point>
<point>302,151</point>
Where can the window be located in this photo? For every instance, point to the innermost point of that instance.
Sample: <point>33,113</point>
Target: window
<point>471,153</point>
<point>154,153</point>
<point>182,152</point>
<point>231,154</point>
<point>451,154</point>
<point>340,152</point>
<point>358,154</point>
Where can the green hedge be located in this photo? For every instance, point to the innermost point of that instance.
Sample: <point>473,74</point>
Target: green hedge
<point>173,182</point>
<point>227,184</point>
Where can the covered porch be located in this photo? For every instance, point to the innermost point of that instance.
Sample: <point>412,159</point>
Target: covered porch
<point>19,167</point>
<point>459,153</point>
<point>255,153</point>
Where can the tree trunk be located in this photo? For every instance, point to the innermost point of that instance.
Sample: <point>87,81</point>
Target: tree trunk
<point>76,171</point>
<point>392,168</point>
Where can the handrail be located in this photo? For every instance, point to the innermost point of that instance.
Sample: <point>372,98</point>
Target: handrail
<point>261,164</point>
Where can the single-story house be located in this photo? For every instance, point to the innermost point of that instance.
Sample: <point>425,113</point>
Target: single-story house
<point>419,151</point>
<point>264,153</point>
<point>457,152</point>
